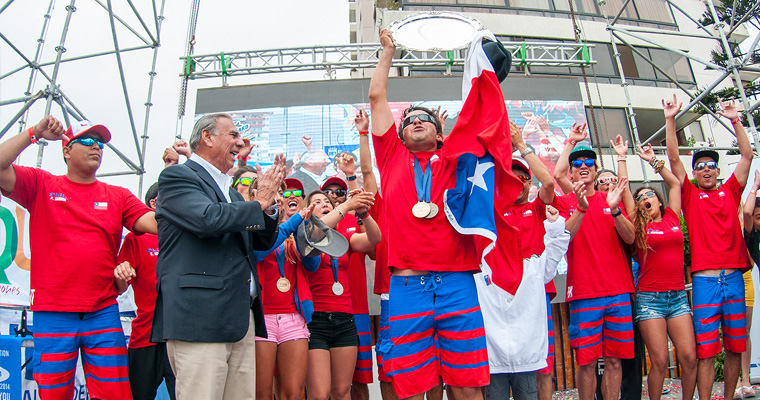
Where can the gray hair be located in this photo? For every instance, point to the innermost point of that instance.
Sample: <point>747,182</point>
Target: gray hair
<point>205,123</point>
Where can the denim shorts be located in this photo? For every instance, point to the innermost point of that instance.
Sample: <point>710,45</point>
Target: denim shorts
<point>329,330</point>
<point>665,305</point>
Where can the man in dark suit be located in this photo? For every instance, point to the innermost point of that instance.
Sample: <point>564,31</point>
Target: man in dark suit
<point>207,280</point>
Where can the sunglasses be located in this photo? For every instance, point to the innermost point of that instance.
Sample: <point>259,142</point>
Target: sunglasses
<point>422,117</point>
<point>590,162</point>
<point>609,179</point>
<point>294,193</point>
<point>523,179</point>
<point>244,181</point>
<point>337,192</point>
<point>87,141</point>
<point>647,194</point>
<point>705,164</point>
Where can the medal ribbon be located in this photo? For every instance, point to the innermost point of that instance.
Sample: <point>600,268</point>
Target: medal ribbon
<point>422,180</point>
<point>334,265</point>
<point>280,255</point>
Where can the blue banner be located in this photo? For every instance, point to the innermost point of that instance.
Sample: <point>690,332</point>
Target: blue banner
<point>10,367</point>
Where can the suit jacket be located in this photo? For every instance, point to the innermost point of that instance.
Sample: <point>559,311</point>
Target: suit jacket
<point>206,258</point>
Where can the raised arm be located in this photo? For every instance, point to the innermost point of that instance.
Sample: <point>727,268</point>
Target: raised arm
<point>623,226</point>
<point>556,241</point>
<point>537,168</point>
<point>621,149</point>
<point>365,154</point>
<point>671,109</point>
<point>674,185</point>
<point>345,164</point>
<point>728,110</point>
<point>48,128</point>
<point>382,117</point>
<point>749,204</point>
<point>577,133</point>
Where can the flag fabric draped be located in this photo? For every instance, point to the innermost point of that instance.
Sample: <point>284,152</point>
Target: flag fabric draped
<point>486,186</point>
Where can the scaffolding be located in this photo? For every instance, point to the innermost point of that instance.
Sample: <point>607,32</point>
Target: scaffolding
<point>53,92</point>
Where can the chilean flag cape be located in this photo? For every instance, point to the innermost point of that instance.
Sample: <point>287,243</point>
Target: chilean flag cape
<point>486,186</point>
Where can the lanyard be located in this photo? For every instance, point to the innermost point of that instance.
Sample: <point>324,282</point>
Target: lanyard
<point>334,265</point>
<point>422,180</point>
<point>280,255</point>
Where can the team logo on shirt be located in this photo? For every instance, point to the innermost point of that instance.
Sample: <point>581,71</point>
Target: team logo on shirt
<point>655,231</point>
<point>153,252</point>
<point>351,229</point>
<point>607,211</point>
<point>527,213</point>
<point>721,194</point>
<point>57,196</point>
<point>703,195</point>
<point>507,214</point>
<point>675,229</point>
<point>101,205</point>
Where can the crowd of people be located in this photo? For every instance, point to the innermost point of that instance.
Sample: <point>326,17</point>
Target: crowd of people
<point>233,304</point>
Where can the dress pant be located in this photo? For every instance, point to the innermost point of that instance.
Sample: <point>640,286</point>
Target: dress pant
<point>211,371</point>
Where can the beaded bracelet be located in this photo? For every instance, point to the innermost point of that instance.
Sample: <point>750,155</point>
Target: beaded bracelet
<point>363,133</point>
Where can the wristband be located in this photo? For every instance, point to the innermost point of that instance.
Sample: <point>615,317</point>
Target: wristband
<point>572,142</point>
<point>736,121</point>
<point>362,215</point>
<point>31,136</point>
<point>753,191</point>
<point>618,213</point>
<point>363,133</point>
<point>580,211</point>
<point>351,178</point>
<point>341,213</point>
<point>621,158</point>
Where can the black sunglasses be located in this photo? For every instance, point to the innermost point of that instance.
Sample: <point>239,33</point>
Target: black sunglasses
<point>422,117</point>
<point>337,192</point>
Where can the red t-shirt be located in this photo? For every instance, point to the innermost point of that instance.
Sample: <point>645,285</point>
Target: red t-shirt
<point>414,243</point>
<point>321,283</point>
<point>715,235</point>
<point>529,219</point>
<point>662,270</point>
<point>382,273</point>
<point>596,262</point>
<point>273,300</point>
<point>142,253</point>
<point>357,269</point>
<point>75,233</point>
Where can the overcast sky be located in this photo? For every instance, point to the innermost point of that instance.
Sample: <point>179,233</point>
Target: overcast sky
<point>94,85</point>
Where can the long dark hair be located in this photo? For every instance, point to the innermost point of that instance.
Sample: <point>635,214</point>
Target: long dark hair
<point>641,219</point>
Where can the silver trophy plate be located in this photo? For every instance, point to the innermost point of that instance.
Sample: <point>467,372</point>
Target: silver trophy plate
<point>435,31</point>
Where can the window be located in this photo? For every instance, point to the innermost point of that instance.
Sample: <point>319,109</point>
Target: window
<point>611,122</point>
<point>695,129</point>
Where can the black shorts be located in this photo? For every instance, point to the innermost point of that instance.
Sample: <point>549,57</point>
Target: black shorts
<point>148,367</point>
<point>329,330</point>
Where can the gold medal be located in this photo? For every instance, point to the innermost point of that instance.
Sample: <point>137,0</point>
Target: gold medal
<point>433,211</point>
<point>337,289</point>
<point>283,284</point>
<point>421,209</point>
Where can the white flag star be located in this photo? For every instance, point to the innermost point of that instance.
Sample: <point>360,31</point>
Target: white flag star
<point>477,177</point>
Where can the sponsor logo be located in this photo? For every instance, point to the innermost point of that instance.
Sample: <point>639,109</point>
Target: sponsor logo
<point>101,205</point>
<point>153,252</point>
<point>569,292</point>
<point>57,196</point>
<point>527,213</point>
<point>655,231</point>
<point>351,229</point>
<point>507,214</point>
<point>4,374</point>
<point>721,194</point>
<point>675,229</point>
<point>703,195</point>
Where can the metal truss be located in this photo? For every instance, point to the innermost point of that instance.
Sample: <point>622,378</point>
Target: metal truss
<point>52,91</point>
<point>621,34</point>
<point>365,55</point>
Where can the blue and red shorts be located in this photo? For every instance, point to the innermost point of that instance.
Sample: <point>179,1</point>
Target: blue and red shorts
<point>363,369</point>
<point>601,326</point>
<point>549,369</point>
<point>719,301</point>
<point>421,306</point>
<point>58,337</point>
<point>383,338</point>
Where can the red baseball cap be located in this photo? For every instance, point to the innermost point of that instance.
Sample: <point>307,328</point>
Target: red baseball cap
<point>520,162</point>
<point>294,183</point>
<point>81,128</point>
<point>334,180</point>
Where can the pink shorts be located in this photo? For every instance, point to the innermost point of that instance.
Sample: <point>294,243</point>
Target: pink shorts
<point>284,327</point>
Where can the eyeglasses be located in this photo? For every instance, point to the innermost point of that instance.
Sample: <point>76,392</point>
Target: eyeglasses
<point>337,192</point>
<point>523,179</point>
<point>422,117</point>
<point>647,194</point>
<point>294,193</point>
<point>87,141</point>
<point>590,162</point>
<point>705,164</point>
<point>606,180</point>
<point>245,181</point>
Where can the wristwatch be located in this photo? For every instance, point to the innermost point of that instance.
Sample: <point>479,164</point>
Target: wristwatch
<point>528,150</point>
<point>617,213</point>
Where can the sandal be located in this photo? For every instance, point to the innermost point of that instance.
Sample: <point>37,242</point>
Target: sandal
<point>739,393</point>
<point>748,391</point>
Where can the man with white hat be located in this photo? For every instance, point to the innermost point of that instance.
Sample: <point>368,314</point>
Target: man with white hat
<point>75,224</point>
